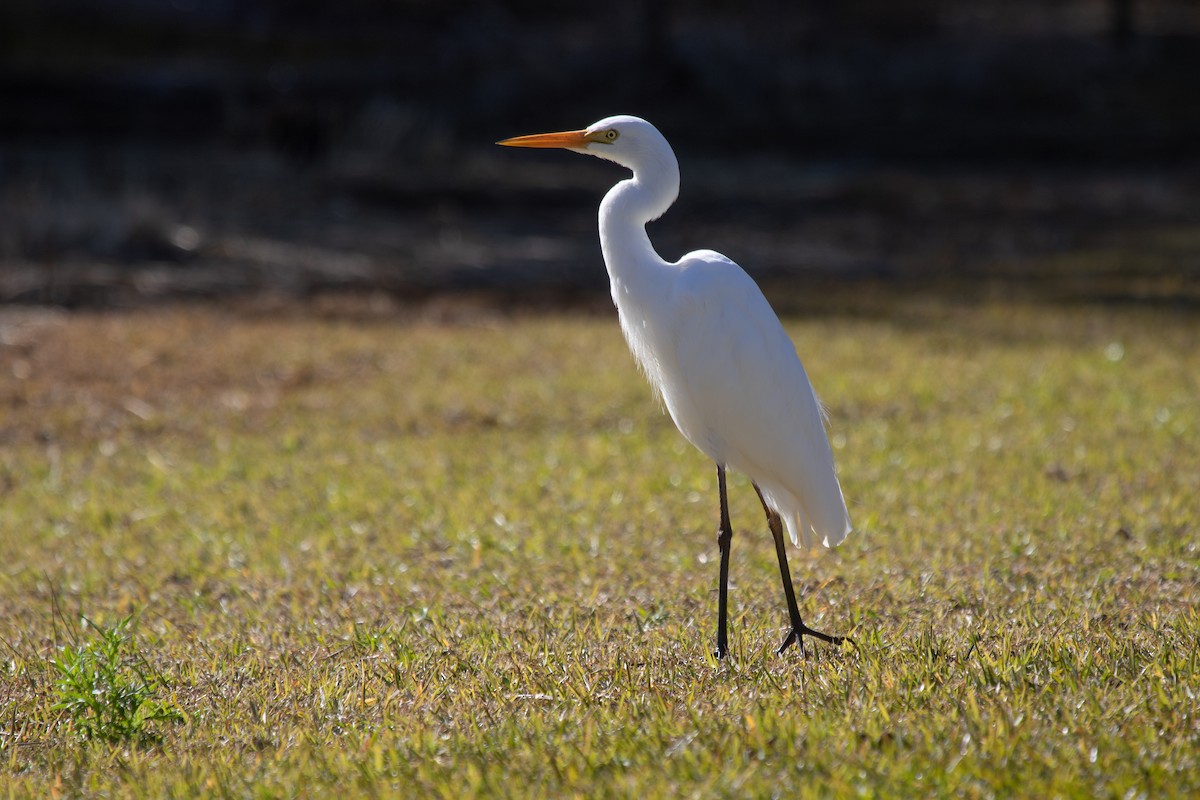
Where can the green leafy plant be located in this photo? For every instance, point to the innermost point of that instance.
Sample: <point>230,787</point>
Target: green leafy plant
<point>108,688</point>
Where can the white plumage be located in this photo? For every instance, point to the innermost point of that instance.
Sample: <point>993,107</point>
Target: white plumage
<point>712,347</point>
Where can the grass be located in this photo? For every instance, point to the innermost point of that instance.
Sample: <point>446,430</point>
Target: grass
<point>466,555</point>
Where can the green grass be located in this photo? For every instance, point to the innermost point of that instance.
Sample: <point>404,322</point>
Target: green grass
<point>470,556</point>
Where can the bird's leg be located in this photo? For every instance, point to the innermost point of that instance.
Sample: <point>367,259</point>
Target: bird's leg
<point>799,629</point>
<point>724,539</point>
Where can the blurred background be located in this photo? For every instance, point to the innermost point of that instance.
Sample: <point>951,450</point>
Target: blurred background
<point>161,150</point>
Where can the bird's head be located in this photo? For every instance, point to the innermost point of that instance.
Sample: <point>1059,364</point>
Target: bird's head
<point>631,142</point>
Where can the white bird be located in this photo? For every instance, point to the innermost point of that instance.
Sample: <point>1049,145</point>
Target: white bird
<point>716,354</point>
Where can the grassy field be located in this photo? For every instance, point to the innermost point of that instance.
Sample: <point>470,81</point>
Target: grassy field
<point>461,553</point>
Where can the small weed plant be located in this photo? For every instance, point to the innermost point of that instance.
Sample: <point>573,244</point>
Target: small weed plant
<point>107,688</point>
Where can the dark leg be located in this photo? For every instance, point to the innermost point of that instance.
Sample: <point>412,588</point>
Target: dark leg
<point>799,629</point>
<point>724,538</point>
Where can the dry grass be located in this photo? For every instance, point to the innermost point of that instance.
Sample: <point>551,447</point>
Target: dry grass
<point>467,556</point>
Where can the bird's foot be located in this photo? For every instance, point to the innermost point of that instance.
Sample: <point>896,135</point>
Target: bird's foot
<point>798,633</point>
<point>721,651</point>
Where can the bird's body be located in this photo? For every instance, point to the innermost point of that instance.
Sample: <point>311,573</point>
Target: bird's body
<point>713,349</point>
<point>731,381</point>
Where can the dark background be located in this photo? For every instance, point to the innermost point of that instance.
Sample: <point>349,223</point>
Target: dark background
<point>155,150</point>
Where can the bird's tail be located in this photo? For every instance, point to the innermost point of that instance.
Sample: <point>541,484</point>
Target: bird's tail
<point>806,535</point>
<point>826,522</point>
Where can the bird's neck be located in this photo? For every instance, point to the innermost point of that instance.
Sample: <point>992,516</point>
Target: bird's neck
<point>631,259</point>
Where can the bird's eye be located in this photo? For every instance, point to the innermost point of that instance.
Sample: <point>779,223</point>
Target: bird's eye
<point>610,135</point>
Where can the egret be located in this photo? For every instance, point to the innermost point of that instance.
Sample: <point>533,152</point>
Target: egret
<point>717,356</point>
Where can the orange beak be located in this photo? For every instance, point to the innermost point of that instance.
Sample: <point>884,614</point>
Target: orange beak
<point>567,139</point>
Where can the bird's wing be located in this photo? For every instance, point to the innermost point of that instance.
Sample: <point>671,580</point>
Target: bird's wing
<point>745,397</point>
